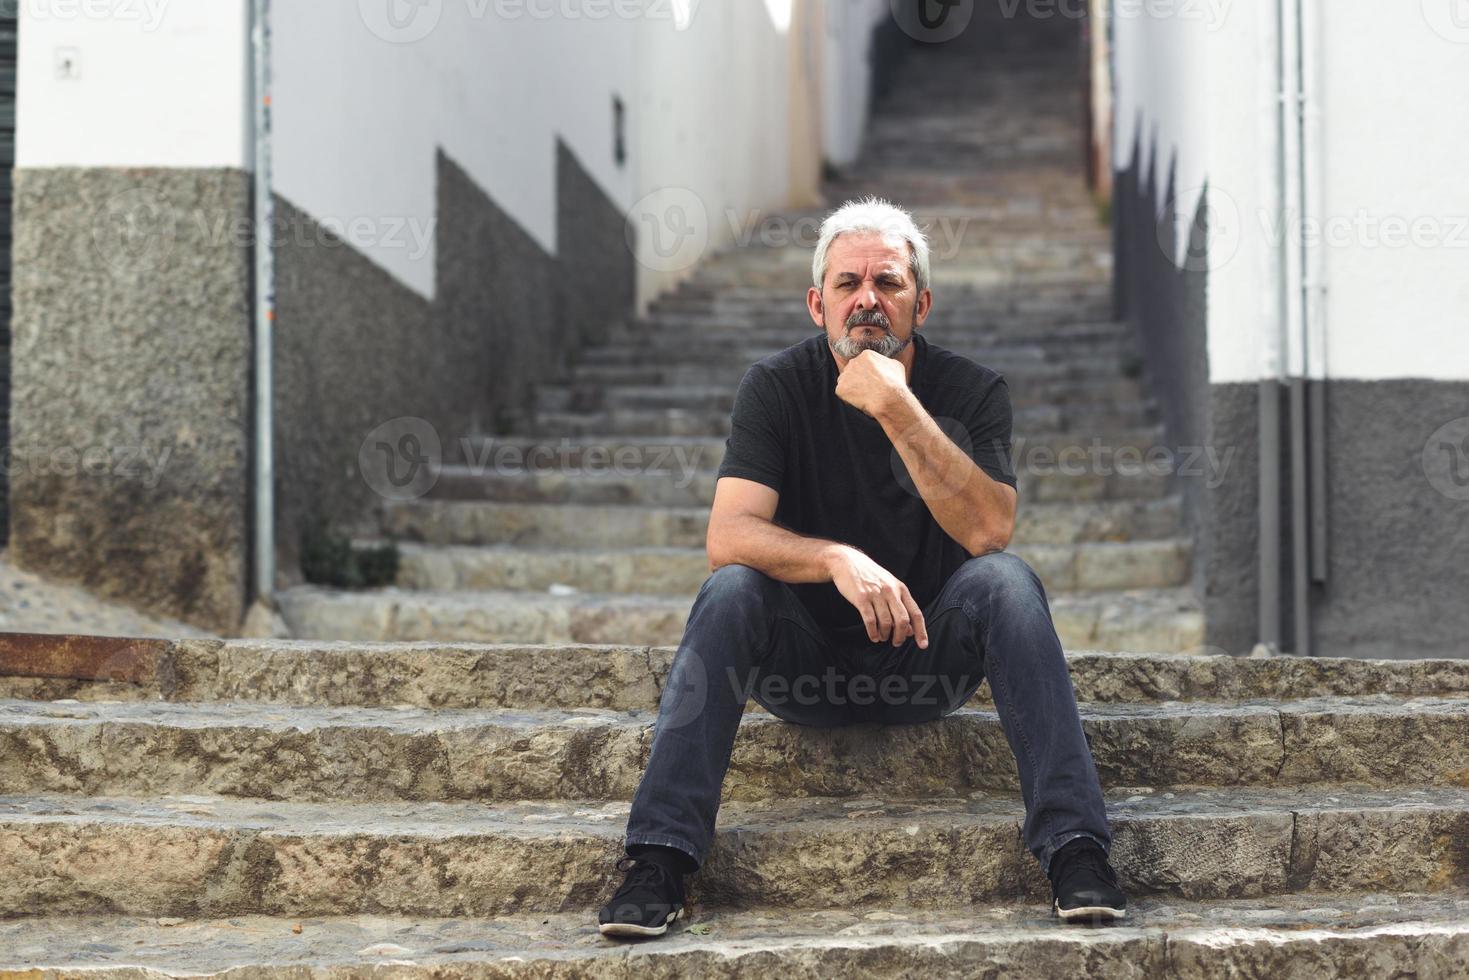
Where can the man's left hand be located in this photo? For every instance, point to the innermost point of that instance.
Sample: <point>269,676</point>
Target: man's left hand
<point>872,383</point>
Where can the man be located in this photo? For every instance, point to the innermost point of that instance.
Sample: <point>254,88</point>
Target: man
<point>852,536</point>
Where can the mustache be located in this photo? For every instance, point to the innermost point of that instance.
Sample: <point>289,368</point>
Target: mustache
<point>862,318</point>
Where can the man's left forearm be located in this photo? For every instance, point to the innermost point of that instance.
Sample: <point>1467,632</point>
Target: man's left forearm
<point>968,504</point>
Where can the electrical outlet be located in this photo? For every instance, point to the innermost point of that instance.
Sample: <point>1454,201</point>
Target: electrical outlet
<point>68,64</point>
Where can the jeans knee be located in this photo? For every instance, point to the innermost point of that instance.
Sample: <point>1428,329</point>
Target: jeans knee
<point>736,587</point>
<point>999,575</point>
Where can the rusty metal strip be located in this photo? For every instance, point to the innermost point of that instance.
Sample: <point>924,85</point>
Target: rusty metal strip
<point>129,659</point>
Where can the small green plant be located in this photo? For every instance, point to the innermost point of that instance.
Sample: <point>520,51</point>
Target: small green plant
<point>328,557</point>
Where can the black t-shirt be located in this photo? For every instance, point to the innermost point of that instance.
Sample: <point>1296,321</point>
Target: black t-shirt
<point>840,477</point>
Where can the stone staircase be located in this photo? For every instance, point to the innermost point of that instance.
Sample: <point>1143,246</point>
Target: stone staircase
<point>589,525</point>
<point>456,809</point>
<point>433,780</point>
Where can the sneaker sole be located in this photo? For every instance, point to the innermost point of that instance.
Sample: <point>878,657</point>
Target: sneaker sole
<point>1090,913</point>
<point>635,930</point>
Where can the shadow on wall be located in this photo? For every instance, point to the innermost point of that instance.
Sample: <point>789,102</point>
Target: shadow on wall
<point>356,348</point>
<point>1395,515</point>
<point>1165,298</point>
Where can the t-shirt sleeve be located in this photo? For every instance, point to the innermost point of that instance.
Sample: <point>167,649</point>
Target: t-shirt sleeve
<point>755,449</point>
<point>989,423</point>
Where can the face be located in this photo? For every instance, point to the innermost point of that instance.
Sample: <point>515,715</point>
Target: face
<point>869,299</point>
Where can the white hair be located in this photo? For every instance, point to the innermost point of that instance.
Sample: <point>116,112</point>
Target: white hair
<point>872,214</point>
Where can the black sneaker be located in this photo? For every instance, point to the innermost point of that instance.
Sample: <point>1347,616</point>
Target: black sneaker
<point>1084,885</point>
<point>650,898</point>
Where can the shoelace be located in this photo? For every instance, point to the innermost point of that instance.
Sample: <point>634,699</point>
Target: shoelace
<point>640,873</point>
<point>1089,858</point>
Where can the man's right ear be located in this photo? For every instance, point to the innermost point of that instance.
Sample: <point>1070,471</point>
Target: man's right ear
<point>816,307</point>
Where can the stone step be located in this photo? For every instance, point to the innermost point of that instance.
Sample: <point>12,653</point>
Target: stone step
<point>1089,566</point>
<point>983,343</point>
<point>201,856</point>
<point>1099,419</point>
<point>736,352</point>
<point>1420,935</point>
<point>307,752</point>
<point>1026,377</point>
<point>583,396</point>
<point>597,454</point>
<point>1128,620</point>
<point>773,323</point>
<point>629,678</point>
<point>972,278</point>
<point>695,488</point>
<point>614,525</point>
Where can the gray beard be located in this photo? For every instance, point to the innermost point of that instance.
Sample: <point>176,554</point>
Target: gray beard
<point>887,345</point>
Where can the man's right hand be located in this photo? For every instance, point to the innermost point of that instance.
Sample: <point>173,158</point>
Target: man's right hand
<point>887,608</point>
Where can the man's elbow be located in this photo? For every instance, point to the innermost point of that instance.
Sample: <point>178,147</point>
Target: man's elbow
<point>988,540</point>
<point>714,549</point>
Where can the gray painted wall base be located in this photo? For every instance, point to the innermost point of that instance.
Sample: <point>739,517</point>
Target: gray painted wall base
<point>1396,576</point>
<point>130,386</point>
<point>133,332</point>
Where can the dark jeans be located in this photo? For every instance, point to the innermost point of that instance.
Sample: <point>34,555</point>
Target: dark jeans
<point>990,619</point>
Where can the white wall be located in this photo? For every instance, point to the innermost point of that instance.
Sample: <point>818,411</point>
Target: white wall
<point>495,82</point>
<point>847,44</point>
<point>1396,151</point>
<point>156,83</point>
<point>1391,161</point>
<point>361,102</point>
<point>1161,81</point>
<point>361,107</point>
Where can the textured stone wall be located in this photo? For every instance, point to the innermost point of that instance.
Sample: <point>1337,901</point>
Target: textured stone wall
<point>132,381</point>
<point>130,389</point>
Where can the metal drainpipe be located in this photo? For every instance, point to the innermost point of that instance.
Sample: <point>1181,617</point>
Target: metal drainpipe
<point>264,210</point>
<point>1277,369</point>
<point>1302,345</point>
<point>1314,287</point>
